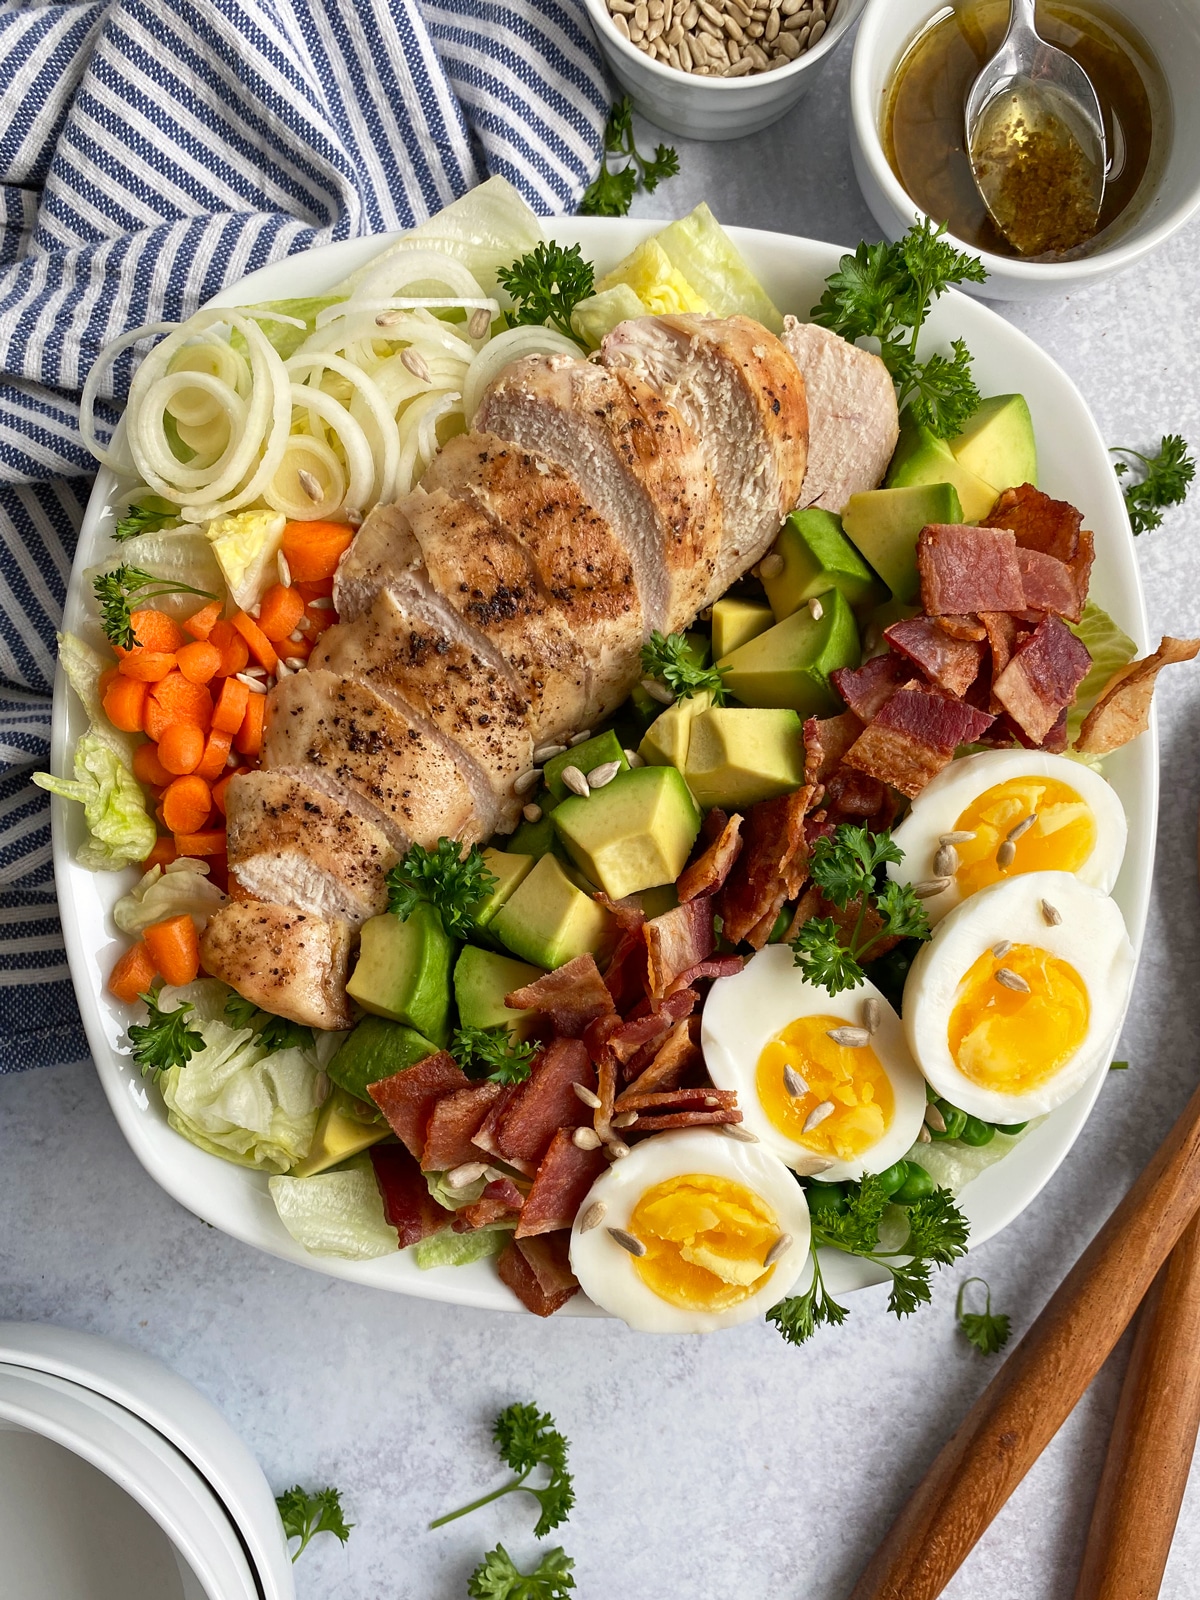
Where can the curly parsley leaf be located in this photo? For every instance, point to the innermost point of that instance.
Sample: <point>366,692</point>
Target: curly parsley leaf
<point>904,916</point>
<point>527,1439</point>
<point>457,882</point>
<point>823,959</point>
<point>612,192</point>
<point>498,1578</point>
<point>988,1332</point>
<point>147,516</point>
<point>669,658</point>
<point>492,1053</point>
<point>305,1515</point>
<point>123,589</point>
<point>165,1040</point>
<point>799,1317</point>
<point>845,867</point>
<point>547,284</point>
<point>1165,478</point>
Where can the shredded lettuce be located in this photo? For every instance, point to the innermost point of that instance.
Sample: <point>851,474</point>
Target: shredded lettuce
<point>952,1166</point>
<point>450,1198</point>
<point>450,1249</point>
<point>336,1213</point>
<point>699,248</point>
<point>1109,648</point>
<point>183,886</point>
<point>599,314</point>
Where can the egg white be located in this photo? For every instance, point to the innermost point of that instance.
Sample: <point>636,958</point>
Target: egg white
<point>937,808</point>
<point>744,1013</point>
<point>1091,937</point>
<point>606,1271</point>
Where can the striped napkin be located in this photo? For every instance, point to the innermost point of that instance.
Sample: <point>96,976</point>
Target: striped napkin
<point>151,153</point>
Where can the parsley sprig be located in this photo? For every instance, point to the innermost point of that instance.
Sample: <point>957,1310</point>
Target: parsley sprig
<point>884,292</point>
<point>987,1332</point>
<point>123,589</point>
<point>454,881</point>
<point>165,1040</point>
<point>275,1033</point>
<point>498,1578</point>
<point>547,284</point>
<point>492,1053</point>
<point>611,193</point>
<point>147,516</point>
<point>305,1515</point>
<point>669,658</point>
<point>1165,478</point>
<point>844,868</point>
<point>937,1235</point>
<point>527,1439</point>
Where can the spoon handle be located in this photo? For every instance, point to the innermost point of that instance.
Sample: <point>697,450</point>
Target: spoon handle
<point>1022,19</point>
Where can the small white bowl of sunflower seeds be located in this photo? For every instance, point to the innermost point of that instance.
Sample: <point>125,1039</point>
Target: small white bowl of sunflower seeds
<point>718,69</point>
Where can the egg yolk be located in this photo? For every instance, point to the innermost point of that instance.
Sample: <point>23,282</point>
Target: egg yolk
<point>1012,1041</point>
<point>1061,839</point>
<point>852,1080</point>
<point>706,1239</point>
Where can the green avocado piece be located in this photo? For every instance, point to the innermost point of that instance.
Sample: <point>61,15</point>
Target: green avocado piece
<point>403,971</point>
<point>481,980</point>
<point>736,622</point>
<point>738,756</point>
<point>666,740</point>
<point>535,839</point>
<point>818,557</point>
<point>998,443</point>
<point>346,1126</point>
<point>873,642</point>
<point>789,665</point>
<point>549,921</point>
<point>511,868</point>
<point>635,833</point>
<point>657,902</point>
<point>921,457</point>
<point>884,524</point>
<point>589,755</point>
<point>376,1048</point>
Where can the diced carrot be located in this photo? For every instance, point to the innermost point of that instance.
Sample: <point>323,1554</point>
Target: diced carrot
<point>105,679</point>
<point>234,653</point>
<point>208,842</point>
<point>147,666</point>
<point>279,612</point>
<point>318,621</point>
<point>162,852</point>
<point>296,649</point>
<point>199,662</point>
<point>313,549</point>
<point>181,747</point>
<point>230,711</point>
<point>249,737</point>
<point>125,704</point>
<point>235,891</point>
<point>177,700</point>
<point>174,946</point>
<point>133,973</point>
<point>186,804</point>
<point>212,763</point>
<point>259,646</point>
<point>147,768</point>
<point>318,589</point>
<point>222,785</point>
<point>153,630</point>
<point>200,623</point>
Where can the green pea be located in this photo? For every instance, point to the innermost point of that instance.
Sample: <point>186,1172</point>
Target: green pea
<point>825,1197</point>
<point>917,1184</point>
<point>977,1132</point>
<point>955,1120</point>
<point>893,1177</point>
<point>1010,1128</point>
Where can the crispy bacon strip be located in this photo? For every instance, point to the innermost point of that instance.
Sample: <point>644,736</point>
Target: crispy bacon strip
<point>1001,630</point>
<point>826,740</point>
<point>867,688</point>
<point>701,1098</point>
<point>407,1202</point>
<point>964,568</point>
<point>1037,522</point>
<point>676,1057</point>
<point>538,1271</point>
<point>772,867</point>
<point>914,736</point>
<point>671,1009</point>
<point>500,1198</point>
<point>852,794</point>
<point>625,976</point>
<point>710,869</point>
<point>544,1103</point>
<point>968,627</point>
<point>408,1097</point>
<point>486,1137</point>
<point>1123,710</point>
<point>453,1123</point>
<point>714,967</point>
<point>571,996</point>
<point>677,941</point>
<point>686,1119</point>
<point>1041,679</point>
<point>1050,585</point>
<point>950,664</point>
<point>564,1176</point>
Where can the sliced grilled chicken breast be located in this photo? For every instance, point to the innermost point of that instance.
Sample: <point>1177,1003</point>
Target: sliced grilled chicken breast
<point>287,962</point>
<point>853,422</point>
<point>744,398</point>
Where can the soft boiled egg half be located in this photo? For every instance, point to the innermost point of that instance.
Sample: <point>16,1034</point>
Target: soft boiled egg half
<point>825,1100</point>
<point>1017,998</point>
<point>691,1231</point>
<point>971,825</point>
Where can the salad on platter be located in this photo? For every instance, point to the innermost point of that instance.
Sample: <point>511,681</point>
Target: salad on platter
<point>615,771</point>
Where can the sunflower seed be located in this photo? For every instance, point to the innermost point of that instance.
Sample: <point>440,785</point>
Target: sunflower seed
<point>310,484</point>
<point>1021,827</point>
<point>585,1139</point>
<point>945,862</point>
<point>295,663</point>
<point>849,1038</point>
<point>771,30</point>
<point>254,685</point>
<point>627,1241</point>
<point>592,1101</point>
<point>604,773</point>
<point>416,364</point>
<point>322,603</point>
<point>546,752</point>
<point>924,1137</point>
<point>1051,914</point>
<point>620,24</point>
<point>1001,949</point>
<point>593,1216</point>
<point>615,1150</point>
<point>742,1135</point>
<point>817,34</point>
<point>794,1083</point>
<point>481,321</point>
<point>461,1177</point>
<point>872,1014</point>
<point>817,1116</point>
<point>740,67</point>
<point>815,609</point>
<point>581,737</point>
<point>658,691</point>
<point>625,1119</point>
<point>1011,980</point>
<point>641,14</point>
<point>284,571</point>
<point>783,1243</point>
<point>531,813</point>
<point>934,1118</point>
<point>711,1101</point>
<point>790,7</point>
<point>354,517</point>
<point>733,29</point>
<point>1006,855</point>
<point>771,565</point>
<point>282,671</point>
<point>527,780</point>
<point>959,836</point>
<point>926,889</point>
<point>574,780</point>
<point>787,43</point>
<point>633,758</point>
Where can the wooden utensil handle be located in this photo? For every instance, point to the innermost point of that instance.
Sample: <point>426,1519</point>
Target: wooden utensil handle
<point>1035,1391</point>
<point>1153,1438</point>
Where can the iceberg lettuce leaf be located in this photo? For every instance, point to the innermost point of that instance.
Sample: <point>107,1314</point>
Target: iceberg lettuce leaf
<point>120,830</point>
<point>450,1249</point>
<point>183,886</point>
<point>336,1213</point>
<point>1110,649</point>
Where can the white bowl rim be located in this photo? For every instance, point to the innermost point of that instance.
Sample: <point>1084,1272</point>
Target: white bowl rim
<point>846,13</point>
<point>1104,263</point>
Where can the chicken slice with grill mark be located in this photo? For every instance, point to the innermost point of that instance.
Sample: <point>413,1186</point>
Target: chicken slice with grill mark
<point>852,417</point>
<point>285,961</point>
<point>744,398</point>
<point>636,461</point>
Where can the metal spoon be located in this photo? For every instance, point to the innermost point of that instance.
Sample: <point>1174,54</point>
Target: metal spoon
<point>1035,140</point>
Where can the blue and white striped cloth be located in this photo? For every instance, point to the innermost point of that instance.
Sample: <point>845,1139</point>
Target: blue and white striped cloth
<point>151,152</point>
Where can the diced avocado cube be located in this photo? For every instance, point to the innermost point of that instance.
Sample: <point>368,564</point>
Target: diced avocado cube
<point>635,833</point>
<point>403,971</point>
<point>873,642</point>
<point>699,647</point>
<point>589,755</point>
<point>345,1127</point>
<point>736,622</point>
<point>549,922</point>
<point>817,557</point>
<point>376,1048</point>
<point>656,902</point>
<point>510,868</point>
<point>535,838</point>
<point>789,665</point>
<point>921,457</point>
<point>481,980</point>
<point>666,740</point>
<point>998,443</point>
<point>884,524</point>
<point>739,756</point>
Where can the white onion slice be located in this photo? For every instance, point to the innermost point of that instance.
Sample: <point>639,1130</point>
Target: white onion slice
<point>507,347</point>
<point>360,462</point>
<point>395,273</point>
<point>372,403</point>
<point>418,435</point>
<point>305,453</point>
